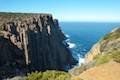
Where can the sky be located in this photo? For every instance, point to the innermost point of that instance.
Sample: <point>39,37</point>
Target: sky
<point>68,10</point>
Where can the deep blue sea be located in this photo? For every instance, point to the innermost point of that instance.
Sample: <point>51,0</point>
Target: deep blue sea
<point>83,35</point>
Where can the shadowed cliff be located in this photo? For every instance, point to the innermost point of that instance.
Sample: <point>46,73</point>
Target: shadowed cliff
<point>36,40</point>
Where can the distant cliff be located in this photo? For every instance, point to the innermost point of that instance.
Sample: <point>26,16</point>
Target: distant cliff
<point>32,42</point>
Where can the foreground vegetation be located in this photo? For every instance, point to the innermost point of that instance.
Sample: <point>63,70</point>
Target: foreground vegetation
<point>49,75</point>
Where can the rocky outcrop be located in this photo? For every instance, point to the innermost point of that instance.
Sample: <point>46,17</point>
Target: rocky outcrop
<point>92,53</point>
<point>38,41</point>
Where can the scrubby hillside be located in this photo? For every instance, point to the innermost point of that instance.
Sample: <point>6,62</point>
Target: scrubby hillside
<point>102,62</point>
<point>107,48</point>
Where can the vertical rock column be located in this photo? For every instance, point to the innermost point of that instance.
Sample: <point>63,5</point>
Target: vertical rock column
<point>25,43</point>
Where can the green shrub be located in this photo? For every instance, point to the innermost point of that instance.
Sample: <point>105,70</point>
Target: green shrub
<point>48,75</point>
<point>112,35</point>
<point>116,56</point>
<point>101,59</point>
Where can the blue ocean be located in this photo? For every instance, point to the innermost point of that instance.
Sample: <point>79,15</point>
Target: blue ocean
<point>83,35</point>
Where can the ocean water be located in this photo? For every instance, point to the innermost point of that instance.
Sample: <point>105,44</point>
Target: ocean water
<point>83,35</point>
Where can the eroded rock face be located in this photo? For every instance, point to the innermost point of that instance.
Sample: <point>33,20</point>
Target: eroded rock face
<point>92,53</point>
<point>39,39</point>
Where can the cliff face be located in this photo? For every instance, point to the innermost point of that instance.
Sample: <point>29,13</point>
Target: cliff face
<point>35,39</point>
<point>12,55</point>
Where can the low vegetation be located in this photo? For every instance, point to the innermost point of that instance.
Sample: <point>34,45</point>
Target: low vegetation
<point>101,59</point>
<point>109,48</point>
<point>49,75</point>
<point>112,35</point>
<point>116,56</point>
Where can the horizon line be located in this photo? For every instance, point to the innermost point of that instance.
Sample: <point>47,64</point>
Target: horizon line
<point>61,20</point>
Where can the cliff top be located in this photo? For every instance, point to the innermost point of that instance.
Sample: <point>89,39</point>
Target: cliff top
<point>10,17</point>
<point>20,14</point>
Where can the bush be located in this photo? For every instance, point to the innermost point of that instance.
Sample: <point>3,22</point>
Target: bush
<point>112,35</point>
<point>48,75</point>
<point>116,56</point>
<point>101,59</point>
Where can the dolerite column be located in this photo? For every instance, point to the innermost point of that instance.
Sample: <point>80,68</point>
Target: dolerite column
<point>25,43</point>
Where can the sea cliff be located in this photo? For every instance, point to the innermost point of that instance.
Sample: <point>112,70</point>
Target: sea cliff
<point>30,42</point>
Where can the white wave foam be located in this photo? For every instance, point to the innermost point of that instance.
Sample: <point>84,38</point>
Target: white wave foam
<point>67,35</point>
<point>67,40</point>
<point>71,45</point>
<point>81,60</point>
